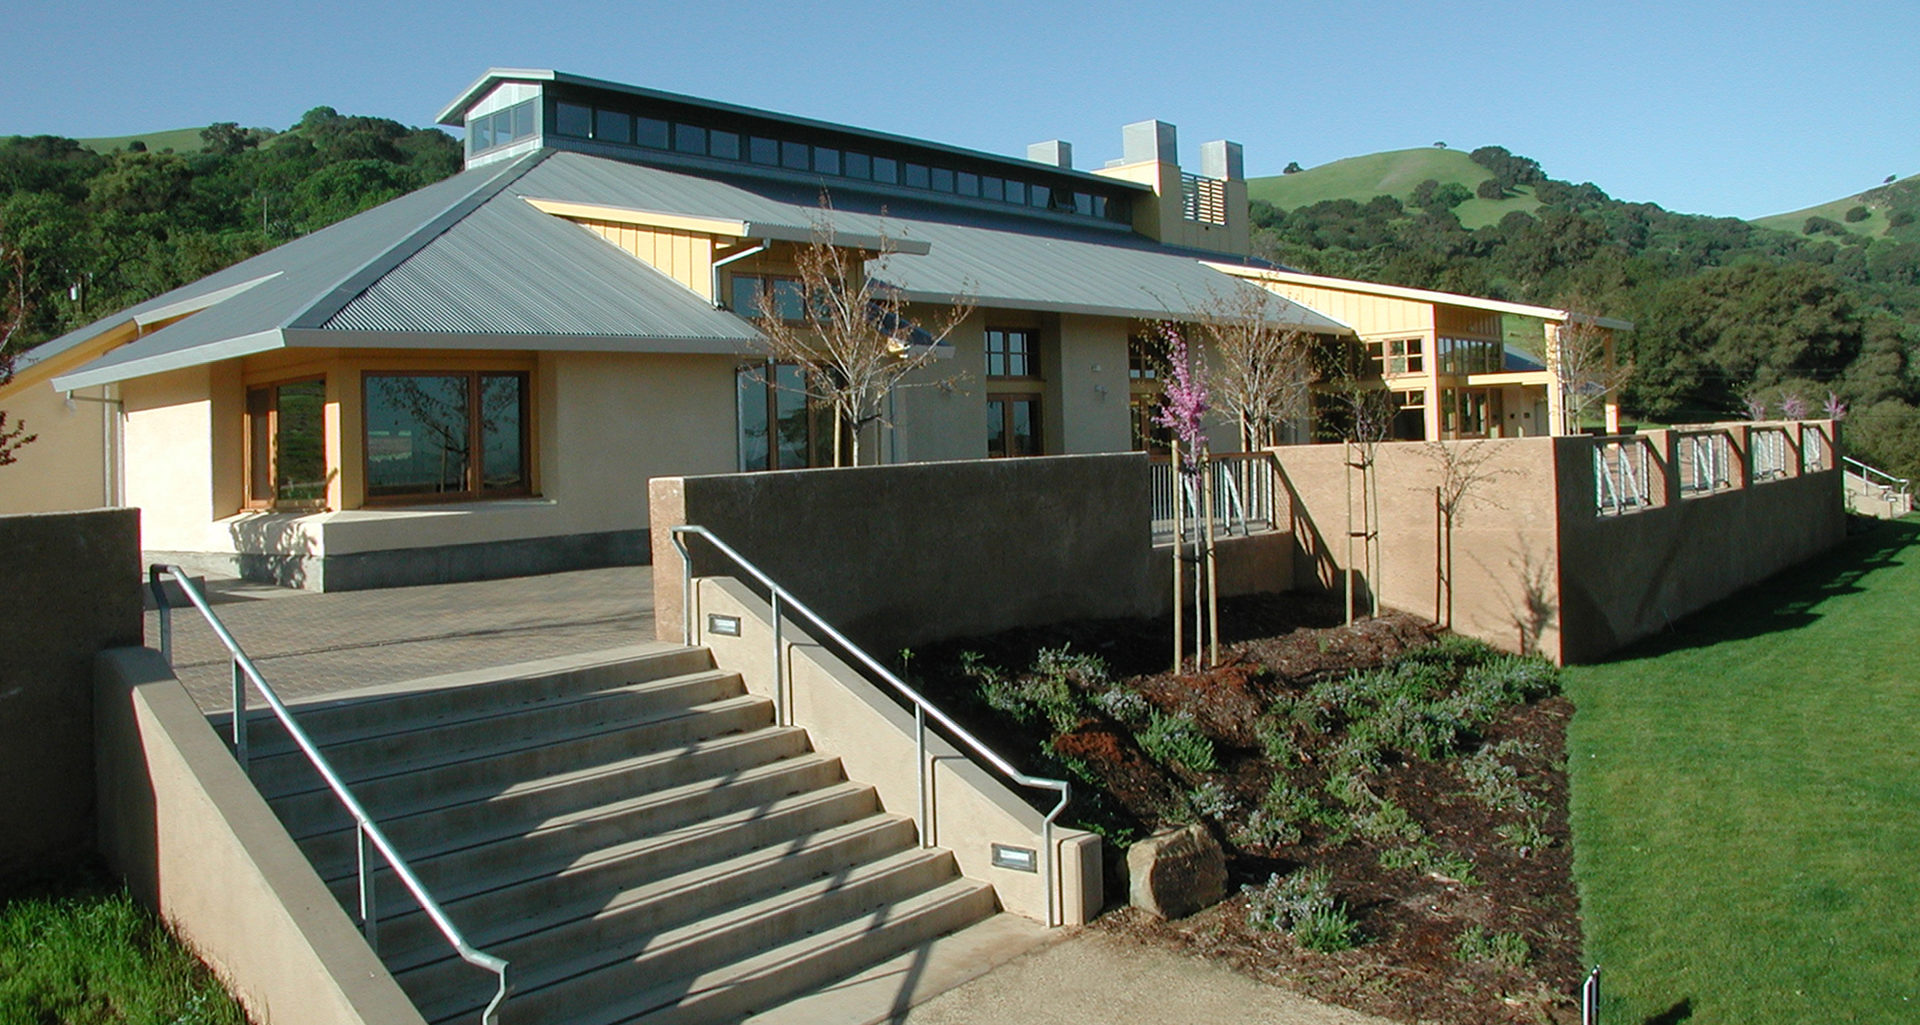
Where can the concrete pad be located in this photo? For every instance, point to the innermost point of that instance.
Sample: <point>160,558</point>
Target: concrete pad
<point>1091,978</point>
<point>885,991</point>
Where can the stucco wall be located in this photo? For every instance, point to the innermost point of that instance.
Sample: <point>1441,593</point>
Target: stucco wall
<point>1534,566</point>
<point>72,581</point>
<point>66,466</point>
<point>1628,576</point>
<point>1505,555</point>
<point>898,555</point>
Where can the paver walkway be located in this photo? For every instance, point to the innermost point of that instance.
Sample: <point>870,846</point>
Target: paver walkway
<point>306,643</point>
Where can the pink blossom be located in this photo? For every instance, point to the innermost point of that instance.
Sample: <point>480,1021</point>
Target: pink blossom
<point>1186,406</point>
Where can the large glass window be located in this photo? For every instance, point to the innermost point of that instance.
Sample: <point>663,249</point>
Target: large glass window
<point>612,126</point>
<point>461,434</point>
<point>1009,353</point>
<point>789,298</point>
<point>575,119</point>
<point>287,445</point>
<point>779,428</point>
<point>1013,426</point>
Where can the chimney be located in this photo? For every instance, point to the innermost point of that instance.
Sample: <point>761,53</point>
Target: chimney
<point>1149,140</point>
<point>1053,151</point>
<point>1221,159</point>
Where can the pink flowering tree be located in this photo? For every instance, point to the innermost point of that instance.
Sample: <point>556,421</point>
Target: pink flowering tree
<point>1186,405</point>
<point>1793,406</point>
<point>1756,407</point>
<point>1836,410</point>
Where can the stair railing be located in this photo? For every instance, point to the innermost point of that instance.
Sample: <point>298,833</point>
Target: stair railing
<point>367,831</point>
<point>1888,484</point>
<point>783,600</point>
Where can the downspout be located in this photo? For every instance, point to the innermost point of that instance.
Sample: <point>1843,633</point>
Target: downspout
<point>109,440</point>
<point>754,250</point>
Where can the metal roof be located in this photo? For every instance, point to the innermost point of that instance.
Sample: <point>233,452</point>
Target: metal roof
<point>470,263</point>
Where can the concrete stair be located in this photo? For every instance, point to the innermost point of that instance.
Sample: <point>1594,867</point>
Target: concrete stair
<point>633,834</point>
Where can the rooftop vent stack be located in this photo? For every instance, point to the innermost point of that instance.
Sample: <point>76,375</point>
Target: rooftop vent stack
<point>1053,151</point>
<point>1149,140</point>
<point>1222,159</point>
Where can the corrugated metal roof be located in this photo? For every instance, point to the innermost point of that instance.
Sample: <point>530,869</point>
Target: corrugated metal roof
<point>468,263</point>
<point>510,269</point>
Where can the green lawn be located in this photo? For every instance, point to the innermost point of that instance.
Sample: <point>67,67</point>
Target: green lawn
<point>1746,801</point>
<point>81,952</point>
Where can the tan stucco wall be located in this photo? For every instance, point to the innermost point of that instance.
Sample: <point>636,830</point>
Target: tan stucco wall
<point>1090,364</point>
<point>1629,576</point>
<point>196,841</point>
<point>169,453</point>
<point>1505,549</point>
<point>68,465</point>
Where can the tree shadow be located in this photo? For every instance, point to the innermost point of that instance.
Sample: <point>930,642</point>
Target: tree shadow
<point>1682,1011</point>
<point>1787,600</point>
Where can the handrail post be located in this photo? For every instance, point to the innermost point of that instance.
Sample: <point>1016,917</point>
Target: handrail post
<point>920,766</point>
<point>165,610</point>
<point>239,714</point>
<point>782,707</point>
<point>369,901</point>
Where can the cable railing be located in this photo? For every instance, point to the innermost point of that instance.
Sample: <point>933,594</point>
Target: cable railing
<point>781,601</point>
<point>370,837</point>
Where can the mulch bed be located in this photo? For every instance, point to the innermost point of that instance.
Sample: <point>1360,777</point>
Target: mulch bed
<point>1408,967</point>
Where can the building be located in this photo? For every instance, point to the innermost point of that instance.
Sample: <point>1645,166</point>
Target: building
<point>477,379</point>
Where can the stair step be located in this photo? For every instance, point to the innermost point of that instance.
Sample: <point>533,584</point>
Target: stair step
<point>447,858</point>
<point>597,915</point>
<point>547,879</point>
<point>717,939</point>
<point>450,698</point>
<point>730,991</point>
<point>408,751</point>
<point>516,779</point>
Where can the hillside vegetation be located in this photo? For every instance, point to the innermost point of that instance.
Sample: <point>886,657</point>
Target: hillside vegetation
<point>1395,173</point>
<point>1728,314</point>
<point>1890,211</point>
<point>86,231</point>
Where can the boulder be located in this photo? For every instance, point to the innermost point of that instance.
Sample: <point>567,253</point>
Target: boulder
<point>1174,873</point>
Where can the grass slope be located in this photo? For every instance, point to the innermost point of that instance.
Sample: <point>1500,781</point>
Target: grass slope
<point>1743,795</point>
<point>1393,173</point>
<point>179,140</point>
<point>1881,202</point>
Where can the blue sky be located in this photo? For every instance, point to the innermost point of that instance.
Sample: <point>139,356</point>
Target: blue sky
<point>1740,109</point>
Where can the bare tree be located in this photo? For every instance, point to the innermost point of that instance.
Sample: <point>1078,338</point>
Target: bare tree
<point>1263,371</point>
<point>1364,409</point>
<point>849,330</point>
<point>1585,370</point>
<point>18,305</point>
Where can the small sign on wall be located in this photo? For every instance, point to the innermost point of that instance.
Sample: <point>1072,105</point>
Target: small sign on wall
<point>723,626</point>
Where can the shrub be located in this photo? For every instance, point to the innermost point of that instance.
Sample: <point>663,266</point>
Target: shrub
<point>1494,783</point>
<point>1490,189</point>
<point>1213,800</point>
<point>1476,944</point>
<point>1525,836</point>
<point>1823,226</point>
<point>1900,218</point>
<point>1281,813</point>
<point>1176,738</point>
<point>1856,214</point>
<point>1123,704</point>
<point>1303,905</point>
<point>1045,694</point>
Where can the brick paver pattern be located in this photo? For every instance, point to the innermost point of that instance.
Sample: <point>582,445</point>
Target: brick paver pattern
<point>307,644</point>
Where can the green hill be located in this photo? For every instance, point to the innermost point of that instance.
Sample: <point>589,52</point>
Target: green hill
<point>1884,206</point>
<point>179,140</point>
<point>1394,173</point>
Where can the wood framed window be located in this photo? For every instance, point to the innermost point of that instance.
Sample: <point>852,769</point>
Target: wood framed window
<point>789,295</point>
<point>286,445</point>
<point>436,435</point>
<point>1013,425</point>
<point>780,428</point>
<point>1010,352</point>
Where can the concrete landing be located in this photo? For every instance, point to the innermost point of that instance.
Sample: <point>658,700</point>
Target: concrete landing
<point>887,990</point>
<point>1091,978</point>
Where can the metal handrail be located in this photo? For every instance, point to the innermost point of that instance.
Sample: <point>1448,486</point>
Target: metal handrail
<point>923,709</point>
<point>1868,473</point>
<point>367,831</point>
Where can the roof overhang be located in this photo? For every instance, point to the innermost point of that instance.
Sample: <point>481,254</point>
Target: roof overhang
<point>1547,313</point>
<point>759,230</point>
